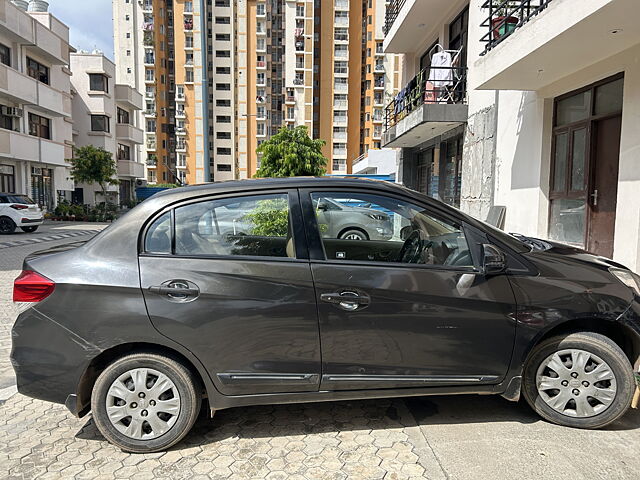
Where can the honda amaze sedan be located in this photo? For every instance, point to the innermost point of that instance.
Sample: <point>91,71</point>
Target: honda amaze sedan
<point>164,309</point>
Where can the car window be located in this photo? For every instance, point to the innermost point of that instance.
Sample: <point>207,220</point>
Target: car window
<point>12,198</point>
<point>158,239</point>
<point>377,228</point>
<point>256,225</point>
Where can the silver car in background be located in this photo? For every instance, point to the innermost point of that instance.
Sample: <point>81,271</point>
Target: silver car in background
<point>338,219</point>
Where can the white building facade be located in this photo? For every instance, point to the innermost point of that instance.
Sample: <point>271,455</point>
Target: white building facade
<point>106,115</point>
<point>551,125</point>
<point>35,103</point>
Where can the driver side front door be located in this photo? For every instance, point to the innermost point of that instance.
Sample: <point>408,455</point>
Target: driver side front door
<point>386,323</point>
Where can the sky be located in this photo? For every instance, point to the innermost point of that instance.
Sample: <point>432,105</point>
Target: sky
<point>90,23</point>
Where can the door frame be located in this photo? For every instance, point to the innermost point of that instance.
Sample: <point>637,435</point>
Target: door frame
<point>570,128</point>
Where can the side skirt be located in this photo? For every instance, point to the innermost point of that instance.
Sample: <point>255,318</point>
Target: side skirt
<point>220,402</point>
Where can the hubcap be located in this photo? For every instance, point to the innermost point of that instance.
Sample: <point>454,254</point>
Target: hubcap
<point>143,404</point>
<point>5,226</point>
<point>576,383</point>
<point>353,236</point>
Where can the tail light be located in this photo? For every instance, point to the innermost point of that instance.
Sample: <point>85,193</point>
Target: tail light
<point>19,207</point>
<point>32,287</point>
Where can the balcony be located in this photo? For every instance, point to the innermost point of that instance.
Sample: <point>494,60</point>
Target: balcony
<point>342,4</point>
<point>181,114</point>
<point>127,96</point>
<point>150,113</point>
<point>409,22</point>
<point>151,146</point>
<point>181,147</point>
<point>129,133</point>
<point>21,88</point>
<point>130,169</point>
<point>290,100</point>
<point>261,64</point>
<point>434,105</point>
<point>180,97</point>
<point>528,43</point>
<point>181,131</point>
<point>147,7</point>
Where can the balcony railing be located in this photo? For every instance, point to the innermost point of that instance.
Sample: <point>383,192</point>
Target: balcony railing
<point>393,10</point>
<point>506,16</point>
<point>436,85</point>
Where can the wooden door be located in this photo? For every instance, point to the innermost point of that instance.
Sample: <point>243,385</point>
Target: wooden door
<point>604,186</point>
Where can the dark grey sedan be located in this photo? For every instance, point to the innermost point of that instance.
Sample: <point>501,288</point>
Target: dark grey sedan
<point>169,306</point>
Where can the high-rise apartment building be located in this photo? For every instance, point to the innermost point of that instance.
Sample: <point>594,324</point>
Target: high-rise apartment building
<point>220,77</point>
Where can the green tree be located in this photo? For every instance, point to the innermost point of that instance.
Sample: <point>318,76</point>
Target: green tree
<point>93,165</point>
<point>292,153</point>
<point>270,218</point>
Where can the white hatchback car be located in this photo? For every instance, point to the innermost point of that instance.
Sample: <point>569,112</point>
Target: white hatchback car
<point>19,211</point>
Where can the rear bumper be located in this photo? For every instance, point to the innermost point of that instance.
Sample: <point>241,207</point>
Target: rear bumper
<point>47,358</point>
<point>26,221</point>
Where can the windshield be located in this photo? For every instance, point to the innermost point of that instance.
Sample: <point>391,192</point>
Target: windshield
<point>12,198</point>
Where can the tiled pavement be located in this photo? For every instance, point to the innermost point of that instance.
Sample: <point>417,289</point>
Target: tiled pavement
<point>466,437</point>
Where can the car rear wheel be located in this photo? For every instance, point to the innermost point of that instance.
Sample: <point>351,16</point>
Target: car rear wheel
<point>581,380</point>
<point>353,234</point>
<point>29,229</point>
<point>145,402</point>
<point>7,225</point>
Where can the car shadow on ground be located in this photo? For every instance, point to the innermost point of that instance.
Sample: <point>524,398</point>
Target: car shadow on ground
<point>330,418</point>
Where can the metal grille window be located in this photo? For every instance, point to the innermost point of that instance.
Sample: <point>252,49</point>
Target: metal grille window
<point>5,55</point>
<point>123,116</point>
<point>39,126</point>
<point>100,123</point>
<point>223,151</point>
<point>98,83</point>
<point>7,179</point>
<point>38,71</point>
<point>124,152</point>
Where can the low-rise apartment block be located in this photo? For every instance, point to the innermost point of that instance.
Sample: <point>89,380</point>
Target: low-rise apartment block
<point>530,106</point>
<point>35,103</point>
<point>106,115</point>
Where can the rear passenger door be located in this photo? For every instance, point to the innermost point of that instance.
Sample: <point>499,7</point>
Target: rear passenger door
<point>229,278</point>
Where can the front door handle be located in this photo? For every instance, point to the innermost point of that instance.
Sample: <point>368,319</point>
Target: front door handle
<point>180,290</point>
<point>349,301</point>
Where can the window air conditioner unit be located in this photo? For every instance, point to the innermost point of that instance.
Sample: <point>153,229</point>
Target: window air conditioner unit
<point>141,182</point>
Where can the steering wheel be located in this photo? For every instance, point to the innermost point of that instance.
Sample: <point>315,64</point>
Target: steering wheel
<point>413,247</point>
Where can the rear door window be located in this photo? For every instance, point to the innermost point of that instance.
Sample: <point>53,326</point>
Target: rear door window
<point>257,225</point>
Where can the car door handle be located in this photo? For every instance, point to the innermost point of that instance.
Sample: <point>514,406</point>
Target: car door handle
<point>349,301</point>
<point>176,289</point>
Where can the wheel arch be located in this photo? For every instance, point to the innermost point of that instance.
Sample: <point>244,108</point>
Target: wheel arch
<point>101,361</point>
<point>357,228</point>
<point>622,335</point>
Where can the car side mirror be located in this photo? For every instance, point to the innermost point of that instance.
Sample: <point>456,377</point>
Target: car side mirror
<point>323,207</point>
<point>494,260</point>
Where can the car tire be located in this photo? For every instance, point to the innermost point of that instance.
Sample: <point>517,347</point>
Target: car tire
<point>178,392</point>
<point>568,396</point>
<point>353,234</point>
<point>7,225</point>
<point>28,229</point>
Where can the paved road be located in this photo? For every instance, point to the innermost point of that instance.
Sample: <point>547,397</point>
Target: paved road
<point>465,437</point>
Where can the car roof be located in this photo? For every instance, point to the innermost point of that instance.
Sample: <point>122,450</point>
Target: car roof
<point>289,182</point>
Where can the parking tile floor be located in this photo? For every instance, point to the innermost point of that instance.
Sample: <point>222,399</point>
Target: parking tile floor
<point>462,437</point>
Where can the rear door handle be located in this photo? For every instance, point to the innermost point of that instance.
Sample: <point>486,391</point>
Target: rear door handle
<point>349,301</point>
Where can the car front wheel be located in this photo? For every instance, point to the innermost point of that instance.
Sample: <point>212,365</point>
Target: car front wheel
<point>7,225</point>
<point>353,234</point>
<point>145,402</point>
<point>582,380</point>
